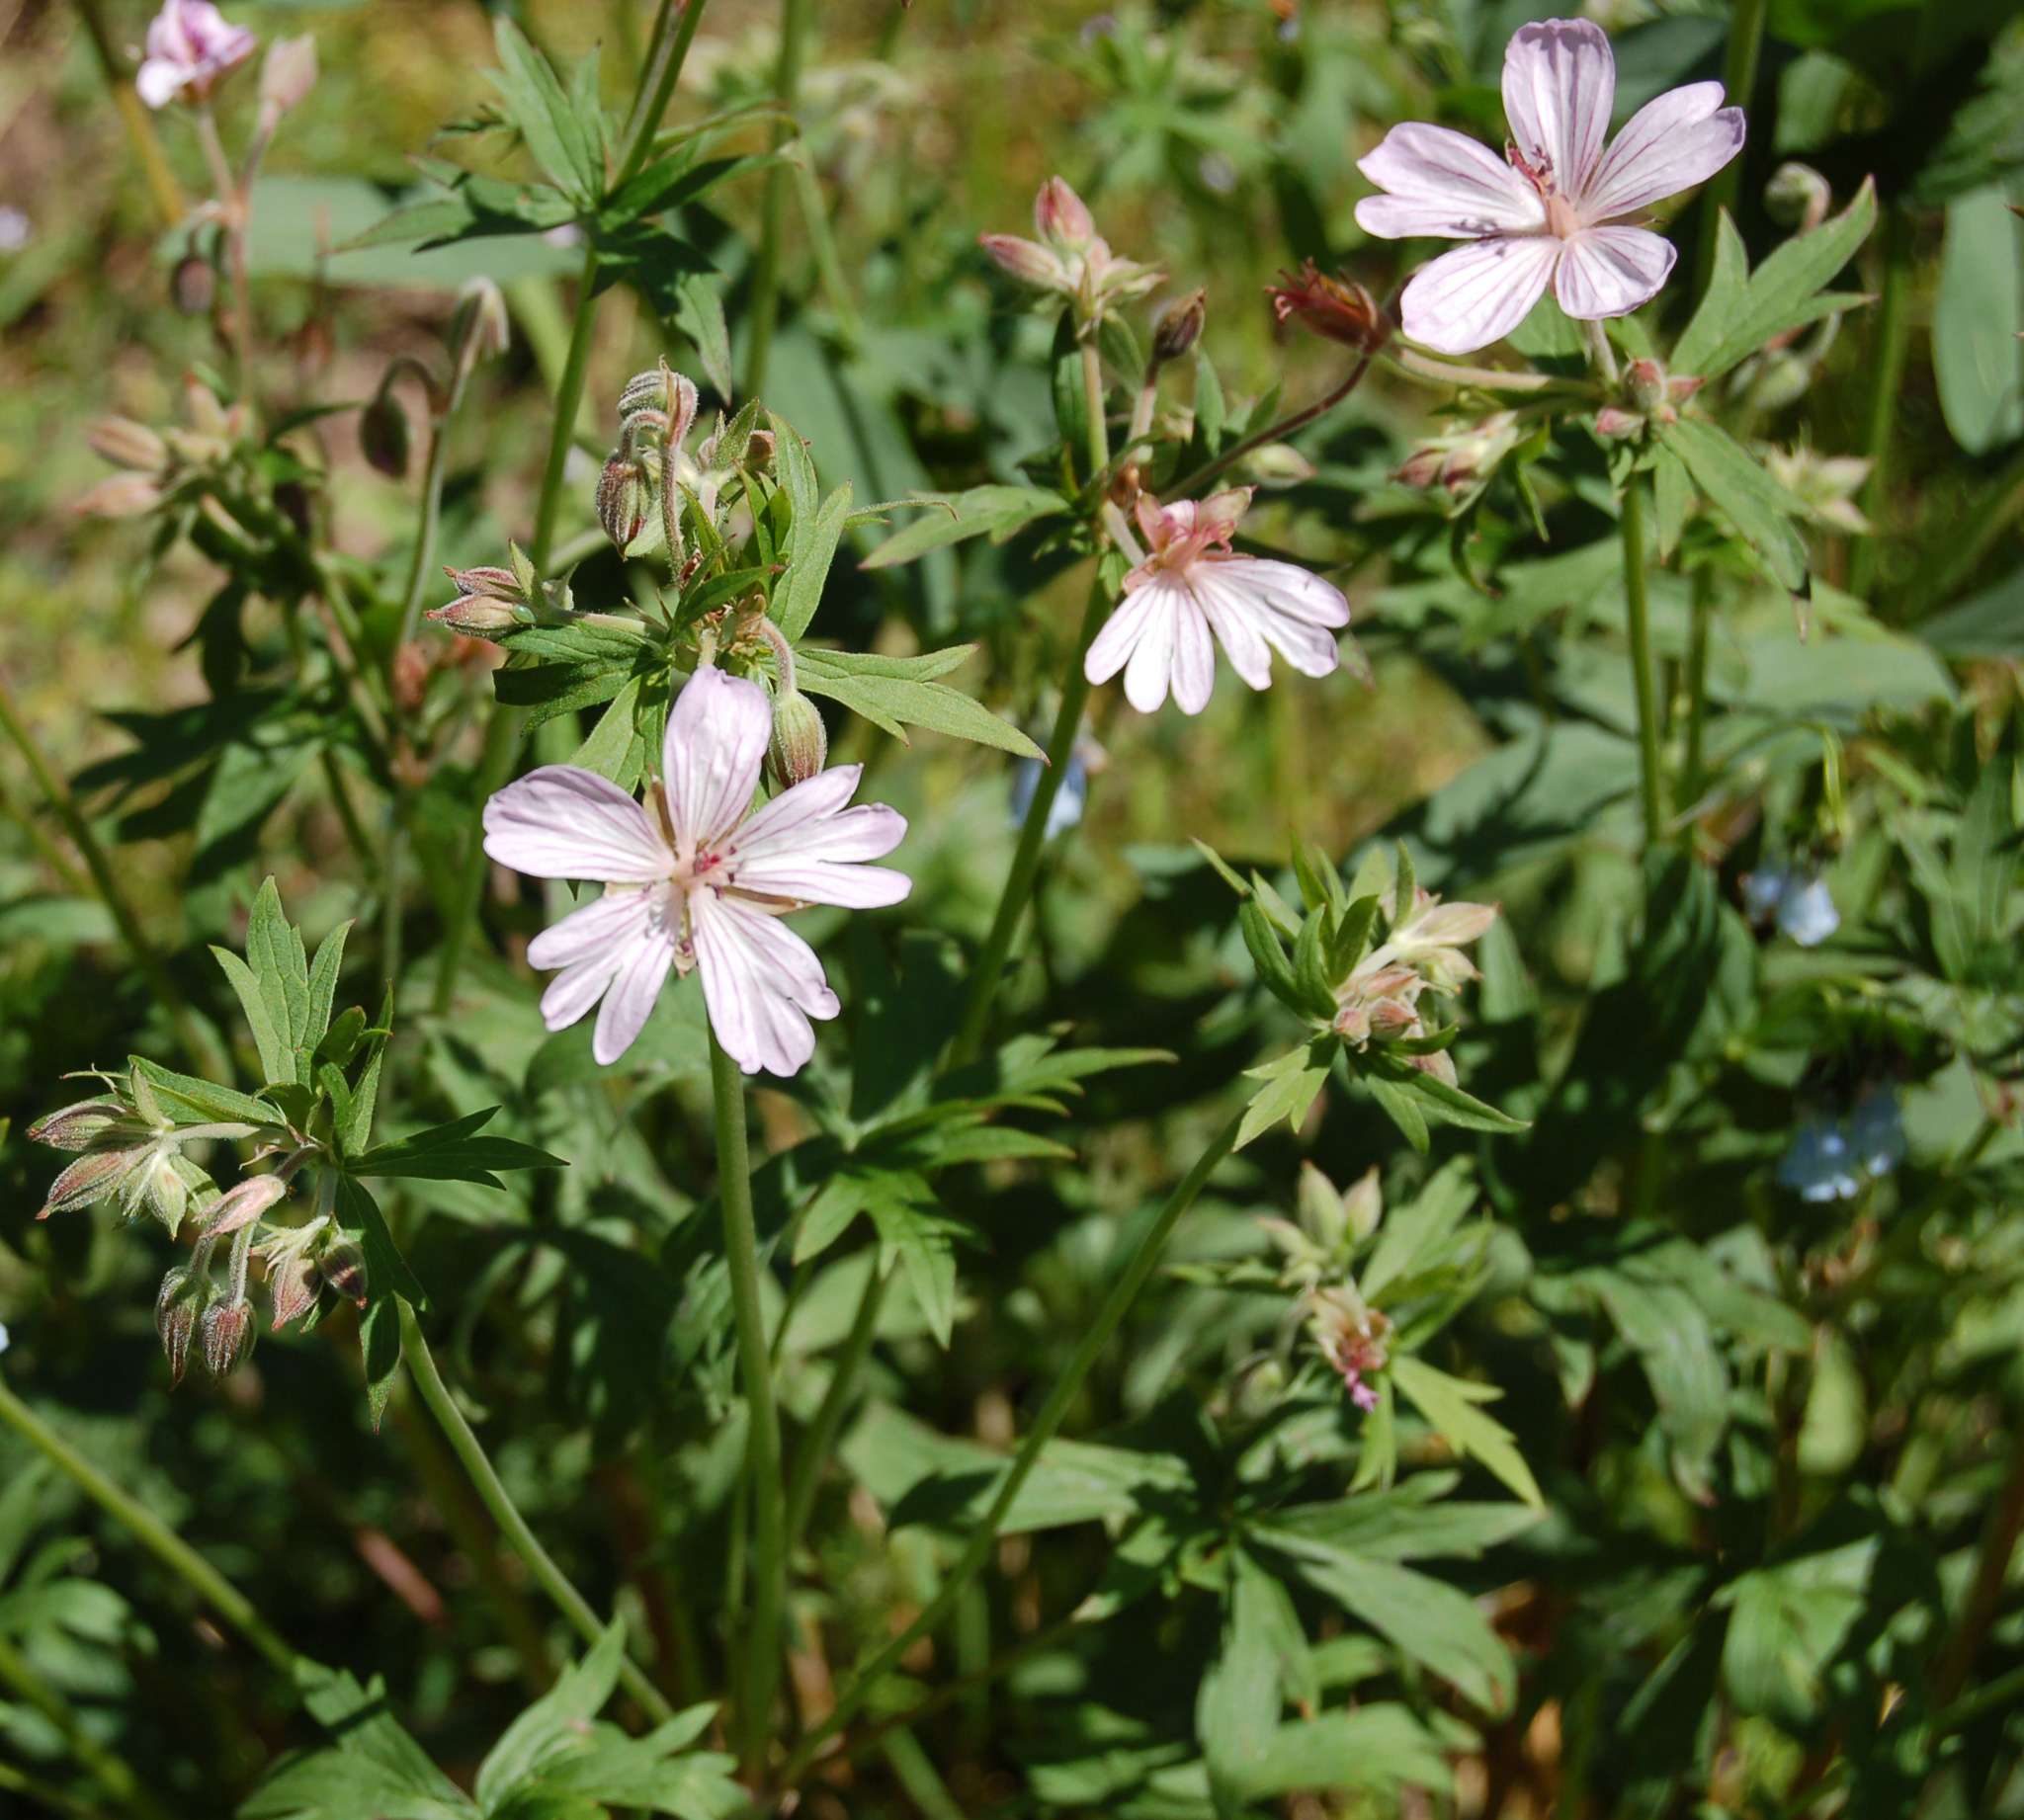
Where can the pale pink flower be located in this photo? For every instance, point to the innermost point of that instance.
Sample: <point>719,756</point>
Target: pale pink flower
<point>696,878</point>
<point>191,48</point>
<point>1194,584</point>
<point>1555,209</point>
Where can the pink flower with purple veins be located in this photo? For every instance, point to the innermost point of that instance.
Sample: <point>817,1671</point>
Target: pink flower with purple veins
<point>698,879</point>
<point>1194,585</point>
<point>1560,207</point>
<point>191,48</point>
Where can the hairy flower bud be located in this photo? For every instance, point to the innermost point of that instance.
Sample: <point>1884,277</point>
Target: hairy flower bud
<point>92,1178</point>
<point>343,1268</point>
<point>385,439</point>
<point>800,745</point>
<point>1644,384</point>
<point>228,1336</point>
<point>118,496</point>
<point>1179,327</point>
<point>177,1306</point>
<point>127,444</point>
<point>1331,307</point>
<point>489,601</point>
<point>193,285</point>
<point>244,1203</point>
<point>292,1284</point>
<point>1025,259</point>
<point>83,1126</point>
<point>1062,216</point>
<point>481,324</point>
<point>625,497</point>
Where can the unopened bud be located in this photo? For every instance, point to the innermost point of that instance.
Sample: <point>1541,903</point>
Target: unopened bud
<point>1029,263</point>
<point>1277,464</point>
<point>1179,327</point>
<point>800,745</point>
<point>343,1265</point>
<point>1331,307</point>
<point>488,583</point>
<point>1061,215</point>
<point>384,436</point>
<point>1644,384</point>
<point>127,444</point>
<point>1797,196</point>
<point>1614,422</point>
<point>287,76</point>
<point>625,496</point>
<point>119,496</point>
<point>294,1286</point>
<point>193,285</point>
<point>82,1126</point>
<point>479,616</point>
<point>176,1306</point>
<point>228,1336</point>
<point>90,1179</point>
<point>481,321</point>
<point>243,1204</point>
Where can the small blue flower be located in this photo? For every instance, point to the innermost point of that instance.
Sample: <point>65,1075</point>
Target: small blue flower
<point>1876,1130</point>
<point>1801,907</point>
<point>1830,1159</point>
<point>1065,811</point>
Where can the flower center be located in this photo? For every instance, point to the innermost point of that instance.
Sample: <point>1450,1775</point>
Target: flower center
<point>1560,218</point>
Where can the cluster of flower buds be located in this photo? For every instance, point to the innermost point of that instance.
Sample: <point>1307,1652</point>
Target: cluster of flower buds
<point>1318,1252</point>
<point>1332,307</point>
<point>155,463</point>
<point>1379,1000</point>
<point>1462,461</point>
<point>128,1151</point>
<point>1070,259</point>
<point>1649,396</point>
<point>1827,485</point>
<point>656,411</point>
<point>491,601</point>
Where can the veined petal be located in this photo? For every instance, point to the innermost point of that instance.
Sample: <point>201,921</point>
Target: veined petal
<point>1119,638</point>
<point>1671,143</point>
<point>1194,660</point>
<point>631,996</point>
<point>564,822</point>
<point>810,822</point>
<point>574,990</point>
<point>1559,86</point>
<point>1230,613</point>
<point>1610,271</point>
<point>761,984</point>
<point>1477,294</point>
<point>613,921</point>
<point>1294,611</point>
<point>1441,181</point>
<point>716,744</point>
<point>1150,674</point>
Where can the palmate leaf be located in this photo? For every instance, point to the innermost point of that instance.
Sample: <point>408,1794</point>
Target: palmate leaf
<point>1453,1406</point>
<point>374,1772</point>
<point>897,702</point>
<point>1737,486</point>
<point>453,1152</point>
<point>563,135</point>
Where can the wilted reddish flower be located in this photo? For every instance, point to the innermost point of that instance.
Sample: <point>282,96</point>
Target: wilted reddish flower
<point>1331,307</point>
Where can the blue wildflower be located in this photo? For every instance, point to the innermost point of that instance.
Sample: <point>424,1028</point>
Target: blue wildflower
<point>1801,907</point>
<point>1831,1159</point>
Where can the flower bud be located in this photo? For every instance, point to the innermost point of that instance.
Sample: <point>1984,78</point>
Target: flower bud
<point>625,496</point>
<point>1797,196</point>
<point>1644,384</point>
<point>1277,464</point>
<point>383,437</point>
<point>94,1176</point>
<point>83,1126</point>
<point>286,75</point>
<point>480,323</point>
<point>1179,327</point>
<point>1614,424</point>
<point>1331,307</point>
<point>127,444</point>
<point>800,745</point>
<point>479,615</point>
<point>343,1268</point>
<point>1026,260</point>
<point>228,1336</point>
<point>243,1204</point>
<point>193,285</point>
<point>1062,216</point>
<point>294,1285</point>
<point>118,496</point>
<point>488,583</point>
<point>176,1306</point>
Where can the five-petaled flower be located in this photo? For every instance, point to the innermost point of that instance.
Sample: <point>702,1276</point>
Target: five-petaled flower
<point>696,878</point>
<point>191,48</point>
<point>1194,584</point>
<point>1557,208</point>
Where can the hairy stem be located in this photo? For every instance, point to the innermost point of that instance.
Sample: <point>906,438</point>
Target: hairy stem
<point>232,202</point>
<point>763,1644</point>
<point>1638,605</point>
<point>1702,610</point>
<point>989,965</point>
<point>1124,1291</point>
<point>765,307</point>
<point>203,1052</point>
<point>674,30</point>
<point>155,1535</point>
<point>1093,407</point>
<point>492,1493</point>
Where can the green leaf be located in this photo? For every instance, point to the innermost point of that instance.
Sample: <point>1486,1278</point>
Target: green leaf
<point>994,510</point>
<point>323,974</point>
<point>1451,1405</point>
<point>276,1055</point>
<point>1291,1083</point>
<point>1399,1105</point>
<point>189,1100</point>
<point>552,1726</point>
<point>810,552</point>
<point>1672,496</point>
<point>1380,1747</point>
<point>1978,317</point>
<point>453,1152</point>
<point>564,144</point>
<point>375,1771</point>
<point>1758,507</point>
<point>699,314</point>
<point>896,703</point>
<point>1237,1706</point>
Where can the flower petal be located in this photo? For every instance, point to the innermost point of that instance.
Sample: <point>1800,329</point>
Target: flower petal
<point>1441,181</point>
<point>1194,662</point>
<point>1477,294</point>
<point>804,844</point>
<point>1232,617</point>
<point>1610,271</point>
<point>760,983</point>
<point>607,923</point>
<point>1560,85</point>
<point>564,822</point>
<point>631,995</point>
<point>1119,638</point>
<point>716,744</point>
<point>1294,611</point>
<point>1151,672</point>
<point>1671,143</point>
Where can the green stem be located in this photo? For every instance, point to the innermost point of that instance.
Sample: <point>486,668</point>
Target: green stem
<point>1094,406</point>
<point>1886,380</point>
<point>983,1539</point>
<point>814,1452</point>
<point>423,560</point>
<point>492,1493</point>
<point>1697,629</point>
<point>118,1781</point>
<point>232,202</point>
<point>1984,1599</point>
<point>765,307</point>
<point>1190,484</point>
<point>201,1051</point>
<point>989,966</point>
<point>754,1716</point>
<point>140,133</point>
<point>155,1535</point>
<point>1739,85</point>
<point>663,72</point>
<point>569,396</point>
<point>1637,605</point>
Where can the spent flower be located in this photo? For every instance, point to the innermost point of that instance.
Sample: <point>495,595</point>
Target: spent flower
<point>696,880</point>
<point>1561,207</point>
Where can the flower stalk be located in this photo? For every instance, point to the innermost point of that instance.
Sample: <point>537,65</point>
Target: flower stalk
<point>795,16</point>
<point>1638,613</point>
<point>762,1448</point>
